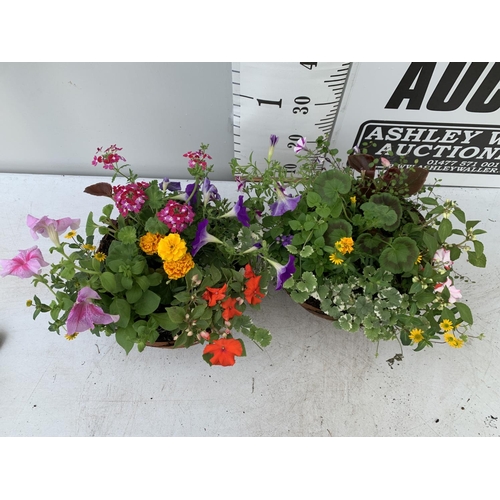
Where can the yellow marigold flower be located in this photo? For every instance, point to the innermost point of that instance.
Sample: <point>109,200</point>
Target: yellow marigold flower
<point>419,259</point>
<point>86,246</point>
<point>149,243</point>
<point>453,341</point>
<point>345,245</point>
<point>416,335</point>
<point>71,234</point>
<point>336,260</point>
<point>179,268</point>
<point>100,256</point>
<point>446,325</point>
<point>172,248</point>
<point>353,200</point>
<point>71,337</point>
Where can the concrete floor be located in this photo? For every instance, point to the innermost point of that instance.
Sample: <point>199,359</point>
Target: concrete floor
<point>311,381</point>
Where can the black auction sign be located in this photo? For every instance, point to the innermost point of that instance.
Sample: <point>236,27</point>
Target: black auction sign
<point>445,116</point>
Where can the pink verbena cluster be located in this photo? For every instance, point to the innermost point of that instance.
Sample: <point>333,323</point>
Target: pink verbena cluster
<point>177,216</point>
<point>108,158</point>
<point>130,198</point>
<point>197,158</point>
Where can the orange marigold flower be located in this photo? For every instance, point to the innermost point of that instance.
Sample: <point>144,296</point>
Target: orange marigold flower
<point>224,351</point>
<point>252,291</point>
<point>230,310</point>
<point>149,243</point>
<point>179,268</point>
<point>212,295</point>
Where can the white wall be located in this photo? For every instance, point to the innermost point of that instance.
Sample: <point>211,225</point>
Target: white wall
<point>55,115</point>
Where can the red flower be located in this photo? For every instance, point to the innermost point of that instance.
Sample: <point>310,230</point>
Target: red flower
<point>252,291</point>
<point>212,295</point>
<point>224,351</point>
<point>249,271</point>
<point>229,309</point>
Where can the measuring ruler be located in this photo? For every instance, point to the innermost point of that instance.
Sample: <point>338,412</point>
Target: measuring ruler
<point>289,100</point>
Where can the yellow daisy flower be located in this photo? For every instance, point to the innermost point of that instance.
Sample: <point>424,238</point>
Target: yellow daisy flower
<point>100,256</point>
<point>86,246</point>
<point>416,335</point>
<point>335,260</point>
<point>353,200</point>
<point>453,341</point>
<point>446,325</point>
<point>345,245</point>
<point>70,235</point>
<point>71,337</point>
<point>419,259</point>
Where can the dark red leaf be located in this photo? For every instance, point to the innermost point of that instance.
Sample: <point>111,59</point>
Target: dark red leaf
<point>100,189</point>
<point>361,163</point>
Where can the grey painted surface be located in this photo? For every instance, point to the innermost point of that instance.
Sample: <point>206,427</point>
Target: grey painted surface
<point>55,115</point>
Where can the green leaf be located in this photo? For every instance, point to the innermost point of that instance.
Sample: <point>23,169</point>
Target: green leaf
<point>108,282</point>
<point>125,337</point>
<point>455,253</point>
<point>127,235</point>
<point>400,256</point>
<point>154,279</point>
<point>379,215</point>
<point>313,199</point>
<point>465,312</point>
<point>444,230</point>
<point>478,247</point>
<point>127,282</point>
<point>107,210</point>
<point>477,260</point>
<point>386,199</point>
<point>459,214</point>
<point>310,281</point>
<point>307,251</point>
<point>430,242</point>
<point>155,226</point>
<point>299,297</point>
<point>164,321</point>
<point>147,304</point>
<point>122,308</point>
<point>295,225</point>
<point>471,223</point>
<point>428,201</point>
<point>176,314</point>
<point>156,198</point>
<point>90,226</point>
<point>134,294</point>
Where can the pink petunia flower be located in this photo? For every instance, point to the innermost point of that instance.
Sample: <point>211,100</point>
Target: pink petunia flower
<point>84,315</point>
<point>24,265</point>
<point>50,228</point>
<point>442,258</point>
<point>454,292</point>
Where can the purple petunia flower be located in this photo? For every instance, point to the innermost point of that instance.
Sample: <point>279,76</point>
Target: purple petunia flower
<point>284,203</point>
<point>240,211</point>
<point>85,315</point>
<point>283,272</point>
<point>241,182</point>
<point>202,237</point>
<point>301,145</point>
<point>273,141</point>
<point>189,190</point>
<point>168,185</point>
<point>209,191</point>
<point>25,264</point>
